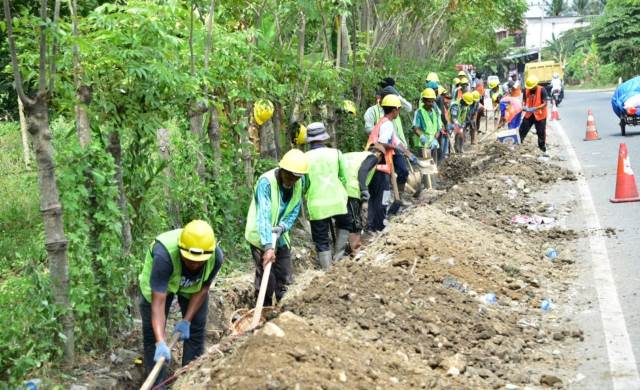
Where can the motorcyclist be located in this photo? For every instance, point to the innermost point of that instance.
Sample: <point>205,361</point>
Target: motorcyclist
<point>556,88</point>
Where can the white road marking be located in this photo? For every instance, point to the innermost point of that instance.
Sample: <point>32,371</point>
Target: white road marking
<point>622,362</point>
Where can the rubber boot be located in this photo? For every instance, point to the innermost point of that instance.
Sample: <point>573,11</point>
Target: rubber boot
<point>355,243</point>
<point>400,192</point>
<point>341,244</point>
<point>324,260</point>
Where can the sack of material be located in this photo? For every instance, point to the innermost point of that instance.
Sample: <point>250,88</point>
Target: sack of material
<point>624,92</point>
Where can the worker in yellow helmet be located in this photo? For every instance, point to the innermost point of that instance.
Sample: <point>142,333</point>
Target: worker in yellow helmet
<point>535,108</point>
<point>274,208</point>
<point>459,112</point>
<point>427,122</point>
<point>180,263</point>
<point>476,110</point>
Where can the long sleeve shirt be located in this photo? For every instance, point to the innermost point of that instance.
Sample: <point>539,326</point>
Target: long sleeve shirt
<point>367,165</point>
<point>371,117</point>
<point>263,203</point>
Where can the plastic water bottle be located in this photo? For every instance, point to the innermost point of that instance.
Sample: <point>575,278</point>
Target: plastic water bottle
<point>489,298</point>
<point>32,384</point>
<point>546,305</point>
<point>551,253</point>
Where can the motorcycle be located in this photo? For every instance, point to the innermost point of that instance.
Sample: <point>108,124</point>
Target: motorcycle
<point>556,95</point>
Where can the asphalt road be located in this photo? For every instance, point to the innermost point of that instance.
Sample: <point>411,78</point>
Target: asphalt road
<point>596,311</point>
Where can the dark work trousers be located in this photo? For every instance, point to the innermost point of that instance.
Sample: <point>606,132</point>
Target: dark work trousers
<point>354,208</point>
<point>401,168</point>
<point>193,347</point>
<point>321,230</point>
<point>541,130</point>
<point>377,210</point>
<point>280,277</point>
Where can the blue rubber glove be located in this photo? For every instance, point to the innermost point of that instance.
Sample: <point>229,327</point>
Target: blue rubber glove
<point>434,144</point>
<point>183,327</point>
<point>423,139</point>
<point>364,195</point>
<point>162,351</point>
<point>413,159</point>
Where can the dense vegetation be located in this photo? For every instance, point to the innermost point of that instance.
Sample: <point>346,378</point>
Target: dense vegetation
<point>605,50</point>
<point>194,68</point>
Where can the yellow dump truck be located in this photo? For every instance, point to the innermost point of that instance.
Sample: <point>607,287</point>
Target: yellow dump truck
<point>543,70</point>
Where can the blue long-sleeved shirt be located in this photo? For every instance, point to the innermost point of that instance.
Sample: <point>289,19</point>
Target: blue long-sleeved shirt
<point>263,204</point>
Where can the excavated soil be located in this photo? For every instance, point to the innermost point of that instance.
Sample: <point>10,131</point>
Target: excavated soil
<point>414,310</point>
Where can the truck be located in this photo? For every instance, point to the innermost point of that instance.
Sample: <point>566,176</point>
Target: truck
<point>544,71</point>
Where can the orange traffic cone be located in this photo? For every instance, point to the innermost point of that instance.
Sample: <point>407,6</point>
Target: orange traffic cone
<point>555,115</point>
<point>592,133</point>
<point>626,189</point>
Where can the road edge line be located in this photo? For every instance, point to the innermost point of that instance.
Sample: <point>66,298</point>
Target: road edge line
<point>622,362</point>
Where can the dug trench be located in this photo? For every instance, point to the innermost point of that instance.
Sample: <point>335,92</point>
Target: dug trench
<point>415,309</point>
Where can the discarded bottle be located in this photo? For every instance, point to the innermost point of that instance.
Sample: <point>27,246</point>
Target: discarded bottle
<point>489,298</point>
<point>551,253</point>
<point>32,384</point>
<point>546,305</point>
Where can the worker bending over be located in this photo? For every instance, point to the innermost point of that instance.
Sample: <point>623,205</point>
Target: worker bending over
<point>182,263</point>
<point>274,208</point>
<point>535,112</point>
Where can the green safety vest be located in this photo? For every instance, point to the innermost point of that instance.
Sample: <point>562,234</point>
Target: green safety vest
<point>433,123</point>
<point>396,122</point>
<point>170,241</point>
<point>352,162</point>
<point>251,228</point>
<point>326,195</point>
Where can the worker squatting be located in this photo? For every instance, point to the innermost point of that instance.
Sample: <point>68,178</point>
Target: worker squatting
<point>184,262</point>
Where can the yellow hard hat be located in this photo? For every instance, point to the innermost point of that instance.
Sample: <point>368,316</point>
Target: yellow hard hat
<point>456,81</point>
<point>391,100</point>
<point>493,84</point>
<point>476,96</point>
<point>441,89</point>
<point>433,76</point>
<point>429,93</point>
<point>531,82</point>
<point>349,106</point>
<point>467,97</point>
<point>295,161</point>
<point>462,73</point>
<point>262,111</point>
<point>464,80</point>
<point>197,241</point>
<point>301,135</point>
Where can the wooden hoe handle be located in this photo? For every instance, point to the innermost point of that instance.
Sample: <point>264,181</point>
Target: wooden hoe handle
<point>148,383</point>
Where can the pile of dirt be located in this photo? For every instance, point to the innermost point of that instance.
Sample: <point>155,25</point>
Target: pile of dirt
<point>416,309</point>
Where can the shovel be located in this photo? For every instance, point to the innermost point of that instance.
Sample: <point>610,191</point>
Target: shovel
<point>148,383</point>
<point>244,320</point>
<point>395,206</point>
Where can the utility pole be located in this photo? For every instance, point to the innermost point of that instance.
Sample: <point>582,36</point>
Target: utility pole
<point>540,4</point>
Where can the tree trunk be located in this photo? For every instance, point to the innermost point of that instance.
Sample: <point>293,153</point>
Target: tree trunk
<point>328,117</point>
<point>23,133</point>
<point>344,42</point>
<point>173,208</point>
<point>196,113</point>
<point>115,148</point>
<point>277,131</point>
<point>55,240</point>
<point>248,146</point>
<point>301,37</point>
<point>213,130</point>
<point>83,125</point>
<point>268,139</point>
<point>338,26</point>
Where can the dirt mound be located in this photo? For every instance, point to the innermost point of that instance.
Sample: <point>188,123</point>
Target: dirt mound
<point>448,296</point>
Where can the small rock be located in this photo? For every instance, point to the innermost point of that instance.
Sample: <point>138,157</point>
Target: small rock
<point>78,387</point>
<point>289,316</point>
<point>453,371</point>
<point>271,329</point>
<point>433,329</point>
<point>510,386</point>
<point>558,336</point>
<point>390,315</point>
<point>549,380</point>
<point>342,376</point>
<point>456,361</point>
<point>394,380</point>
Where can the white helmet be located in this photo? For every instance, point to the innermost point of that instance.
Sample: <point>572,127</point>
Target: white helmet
<point>556,75</point>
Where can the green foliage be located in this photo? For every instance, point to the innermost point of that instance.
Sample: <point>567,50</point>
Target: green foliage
<point>617,34</point>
